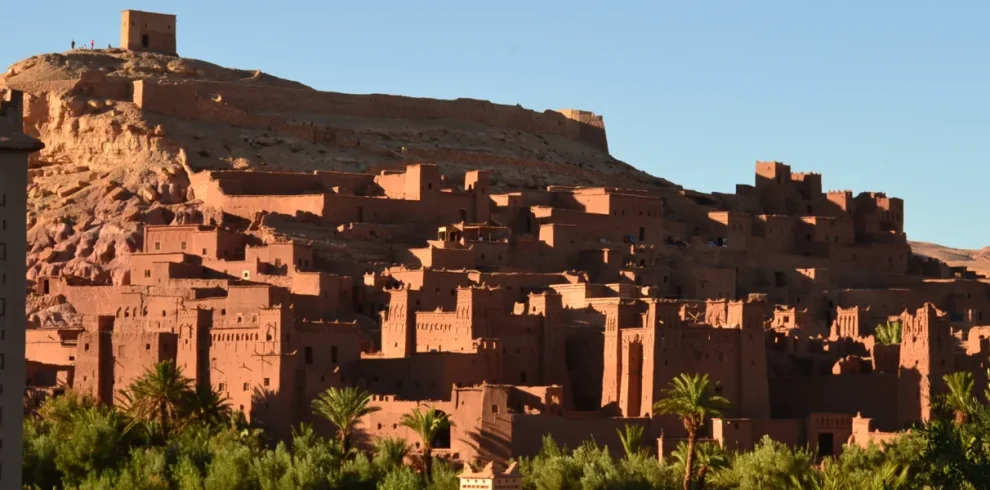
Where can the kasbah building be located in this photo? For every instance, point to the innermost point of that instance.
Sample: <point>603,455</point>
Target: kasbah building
<point>562,310</point>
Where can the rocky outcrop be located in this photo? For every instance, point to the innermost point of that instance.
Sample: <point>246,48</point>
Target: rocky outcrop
<point>109,167</point>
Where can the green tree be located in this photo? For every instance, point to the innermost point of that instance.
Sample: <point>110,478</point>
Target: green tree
<point>93,443</point>
<point>343,407</point>
<point>828,477</point>
<point>889,333</point>
<point>390,452</point>
<point>693,399</point>
<point>161,396</point>
<point>959,395</point>
<point>631,437</point>
<point>209,407</point>
<point>427,424</point>
<point>956,455</point>
<point>770,464</point>
<point>709,458</point>
<point>402,478</point>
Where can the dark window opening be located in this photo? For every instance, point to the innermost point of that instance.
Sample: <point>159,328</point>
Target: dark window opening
<point>442,440</point>
<point>826,444</point>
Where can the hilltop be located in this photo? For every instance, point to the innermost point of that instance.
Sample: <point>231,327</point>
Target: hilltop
<point>975,260</point>
<point>112,165</point>
<point>122,130</point>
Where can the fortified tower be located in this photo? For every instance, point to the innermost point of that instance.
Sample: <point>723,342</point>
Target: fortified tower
<point>747,315</point>
<point>398,327</point>
<point>147,31</point>
<point>14,149</point>
<point>926,356</point>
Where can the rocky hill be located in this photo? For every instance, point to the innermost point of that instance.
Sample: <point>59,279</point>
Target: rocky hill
<point>116,156</point>
<point>975,260</point>
<point>123,129</point>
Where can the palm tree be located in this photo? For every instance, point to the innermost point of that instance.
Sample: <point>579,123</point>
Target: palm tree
<point>828,477</point>
<point>343,407</point>
<point>889,333</point>
<point>710,458</point>
<point>960,395</point>
<point>890,476</point>
<point>631,437</point>
<point>160,396</point>
<point>427,424</point>
<point>208,406</point>
<point>693,398</point>
<point>390,452</point>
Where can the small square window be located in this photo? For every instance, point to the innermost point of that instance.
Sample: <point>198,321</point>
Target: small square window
<point>266,382</point>
<point>147,346</point>
<point>158,245</point>
<point>182,246</point>
<point>147,273</point>
<point>247,386</point>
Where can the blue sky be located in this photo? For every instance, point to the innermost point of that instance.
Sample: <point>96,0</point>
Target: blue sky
<point>877,95</point>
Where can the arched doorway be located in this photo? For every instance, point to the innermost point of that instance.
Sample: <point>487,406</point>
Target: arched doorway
<point>442,440</point>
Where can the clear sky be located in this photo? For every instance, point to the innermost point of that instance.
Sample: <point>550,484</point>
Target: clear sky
<point>875,95</point>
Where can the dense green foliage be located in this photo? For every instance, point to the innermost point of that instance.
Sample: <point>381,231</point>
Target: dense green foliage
<point>73,443</point>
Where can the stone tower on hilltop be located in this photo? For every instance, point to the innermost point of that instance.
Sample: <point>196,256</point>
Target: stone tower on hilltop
<point>14,149</point>
<point>147,31</point>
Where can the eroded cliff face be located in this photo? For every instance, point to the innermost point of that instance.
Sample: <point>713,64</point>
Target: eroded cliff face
<point>110,166</point>
<point>103,174</point>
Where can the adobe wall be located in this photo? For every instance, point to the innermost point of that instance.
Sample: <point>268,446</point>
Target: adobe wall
<point>743,434</point>
<point>406,377</point>
<point>51,346</point>
<point>279,183</point>
<point>714,283</point>
<point>441,331</point>
<point>716,351</point>
<point>90,300</point>
<point>447,207</point>
<point>186,100</point>
<point>438,258</point>
<point>249,206</point>
<point>323,349</point>
<point>873,395</point>
<point>136,352</point>
<point>249,366</point>
<point>96,84</point>
<point>596,226</point>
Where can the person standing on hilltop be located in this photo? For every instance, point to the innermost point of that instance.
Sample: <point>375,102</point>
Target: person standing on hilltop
<point>73,44</point>
<point>92,44</point>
